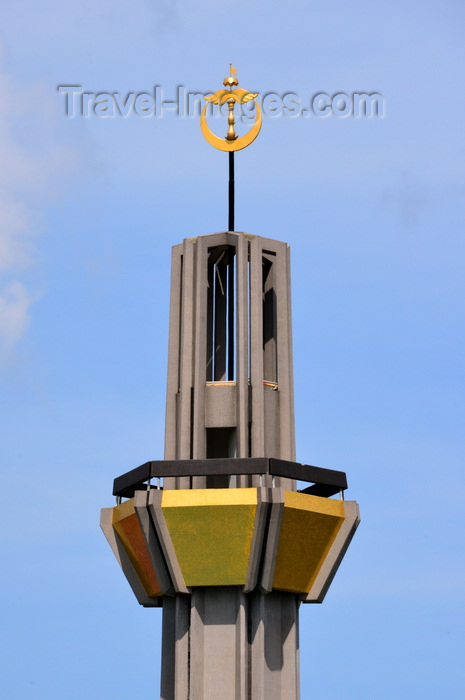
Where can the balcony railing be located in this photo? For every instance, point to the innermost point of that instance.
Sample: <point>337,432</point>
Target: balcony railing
<point>324,482</point>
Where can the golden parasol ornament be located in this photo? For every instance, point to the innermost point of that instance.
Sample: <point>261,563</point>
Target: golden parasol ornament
<point>231,142</point>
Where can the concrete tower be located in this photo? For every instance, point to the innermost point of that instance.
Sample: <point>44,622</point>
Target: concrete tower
<point>217,532</point>
<point>230,341</point>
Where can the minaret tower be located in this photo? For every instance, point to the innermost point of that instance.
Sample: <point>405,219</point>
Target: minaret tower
<point>217,532</point>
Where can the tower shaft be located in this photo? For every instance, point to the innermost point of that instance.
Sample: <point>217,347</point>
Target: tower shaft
<point>230,394</point>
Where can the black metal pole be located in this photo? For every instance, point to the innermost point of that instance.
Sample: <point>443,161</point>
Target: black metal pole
<point>231,192</point>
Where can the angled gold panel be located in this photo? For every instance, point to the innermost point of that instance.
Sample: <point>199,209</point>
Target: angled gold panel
<point>308,529</point>
<point>106,517</point>
<point>212,532</point>
<point>127,526</point>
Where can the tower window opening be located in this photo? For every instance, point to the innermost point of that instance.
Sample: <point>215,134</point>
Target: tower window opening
<point>270,360</point>
<point>221,321</point>
<point>221,443</point>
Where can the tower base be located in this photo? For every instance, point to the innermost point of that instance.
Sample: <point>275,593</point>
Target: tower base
<point>223,643</point>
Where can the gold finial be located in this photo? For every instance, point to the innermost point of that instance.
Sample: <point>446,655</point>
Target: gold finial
<point>231,142</point>
<point>231,79</point>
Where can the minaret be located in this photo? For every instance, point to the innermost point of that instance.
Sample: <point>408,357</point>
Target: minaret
<point>217,532</point>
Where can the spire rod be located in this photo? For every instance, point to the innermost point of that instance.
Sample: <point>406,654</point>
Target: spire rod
<point>231,192</point>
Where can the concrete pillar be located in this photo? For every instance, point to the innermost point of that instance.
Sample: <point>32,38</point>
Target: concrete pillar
<point>274,637</point>
<point>175,664</point>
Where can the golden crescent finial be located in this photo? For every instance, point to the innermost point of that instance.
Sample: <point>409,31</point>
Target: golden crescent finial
<point>231,142</point>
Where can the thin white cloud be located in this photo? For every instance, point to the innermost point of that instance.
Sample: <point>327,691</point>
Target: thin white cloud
<point>15,302</point>
<point>16,232</point>
<point>15,246</point>
<point>16,169</point>
<point>33,167</point>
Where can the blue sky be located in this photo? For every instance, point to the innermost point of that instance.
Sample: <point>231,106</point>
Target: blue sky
<point>373,211</point>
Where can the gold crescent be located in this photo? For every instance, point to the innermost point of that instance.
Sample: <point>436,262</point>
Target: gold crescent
<point>239,143</point>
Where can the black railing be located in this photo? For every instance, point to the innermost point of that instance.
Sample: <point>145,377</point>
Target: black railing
<point>325,482</point>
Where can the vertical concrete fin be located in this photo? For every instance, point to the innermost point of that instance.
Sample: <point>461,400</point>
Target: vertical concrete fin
<point>256,349</point>
<point>184,432</point>
<point>164,538</point>
<point>153,545</point>
<point>242,347</point>
<point>271,539</point>
<point>261,519</point>
<point>174,346</point>
<point>200,355</point>
<point>175,652</point>
<point>284,342</point>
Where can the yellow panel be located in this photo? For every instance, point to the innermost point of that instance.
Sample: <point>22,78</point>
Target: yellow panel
<point>127,526</point>
<point>308,529</point>
<point>209,497</point>
<point>211,531</point>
